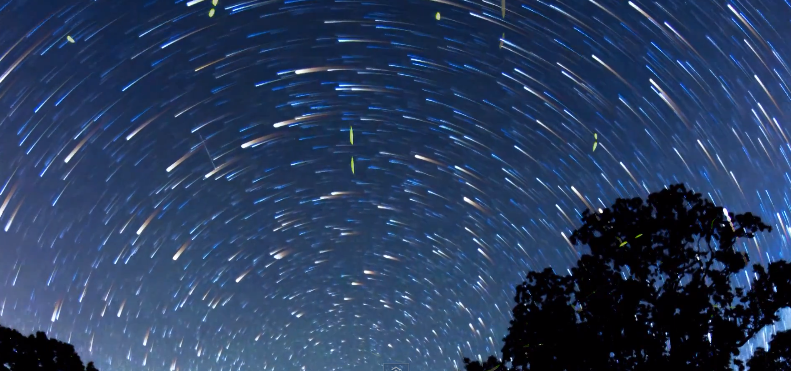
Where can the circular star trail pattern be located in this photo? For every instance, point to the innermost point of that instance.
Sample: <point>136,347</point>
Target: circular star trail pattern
<point>176,190</point>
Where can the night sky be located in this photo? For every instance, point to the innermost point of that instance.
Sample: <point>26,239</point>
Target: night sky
<point>177,190</point>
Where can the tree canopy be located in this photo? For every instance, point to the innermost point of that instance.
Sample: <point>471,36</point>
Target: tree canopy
<point>37,352</point>
<point>665,286</point>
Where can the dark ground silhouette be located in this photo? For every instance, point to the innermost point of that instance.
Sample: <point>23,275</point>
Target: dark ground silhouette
<point>657,291</point>
<point>37,353</point>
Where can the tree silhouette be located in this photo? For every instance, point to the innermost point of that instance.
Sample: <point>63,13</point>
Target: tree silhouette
<point>21,353</point>
<point>664,287</point>
<point>778,358</point>
<point>491,364</point>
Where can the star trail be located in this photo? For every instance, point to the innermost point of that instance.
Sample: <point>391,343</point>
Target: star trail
<point>175,185</point>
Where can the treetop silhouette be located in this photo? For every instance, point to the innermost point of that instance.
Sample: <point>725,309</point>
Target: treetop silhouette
<point>664,286</point>
<point>37,352</point>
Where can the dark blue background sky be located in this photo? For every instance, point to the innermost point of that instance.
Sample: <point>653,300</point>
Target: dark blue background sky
<point>472,162</point>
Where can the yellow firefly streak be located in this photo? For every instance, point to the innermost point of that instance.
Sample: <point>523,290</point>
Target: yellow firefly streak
<point>211,13</point>
<point>352,165</point>
<point>69,39</point>
<point>595,141</point>
<point>502,6</point>
<point>214,3</point>
<point>437,16</point>
<point>351,135</point>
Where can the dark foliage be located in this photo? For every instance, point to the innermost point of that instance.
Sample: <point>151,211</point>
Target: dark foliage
<point>663,288</point>
<point>778,358</point>
<point>491,364</point>
<point>37,352</point>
